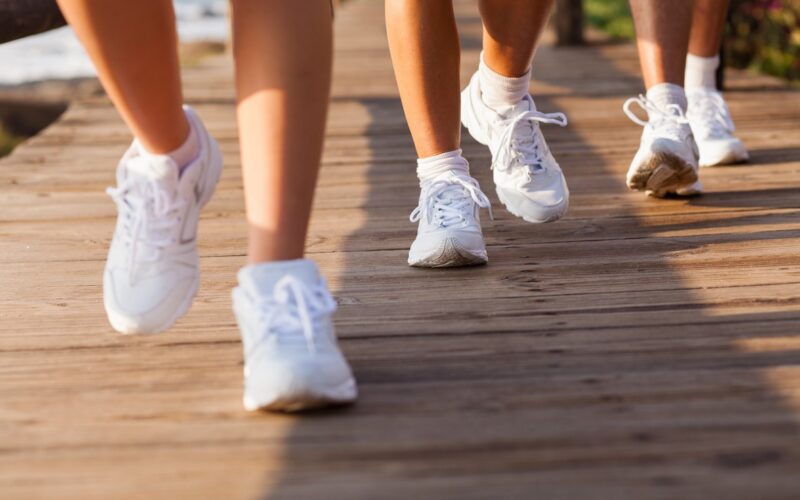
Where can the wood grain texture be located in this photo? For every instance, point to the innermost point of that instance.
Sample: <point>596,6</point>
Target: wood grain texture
<point>637,349</point>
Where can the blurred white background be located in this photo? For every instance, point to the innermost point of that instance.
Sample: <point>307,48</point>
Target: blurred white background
<point>58,55</point>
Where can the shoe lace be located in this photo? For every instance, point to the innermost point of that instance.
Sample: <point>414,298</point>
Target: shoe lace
<point>668,119</point>
<point>294,306</point>
<point>710,114</point>
<point>521,142</point>
<point>149,214</point>
<point>445,201</point>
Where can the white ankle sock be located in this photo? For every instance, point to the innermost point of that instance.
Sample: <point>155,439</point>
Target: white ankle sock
<point>664,94</point>
<point>186,152</point>
<point>501,92</point>
<point>263,276</point>
<point>433,166</point>
<point>701,72</point>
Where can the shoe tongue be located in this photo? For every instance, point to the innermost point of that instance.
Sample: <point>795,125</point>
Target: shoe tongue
<point>525,130</point>
<point>450,177</point>
<point>159,168</point>
<point>260,279</point>
<point>522,106</point>
<point>666,123</point>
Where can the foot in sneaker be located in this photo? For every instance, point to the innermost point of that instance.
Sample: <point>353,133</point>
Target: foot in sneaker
<point>292,360</point>
<point>151,275</point>
<point>449,232</point>
<point>713,128</point>
<point>667,158</point>
<point>528,179</point>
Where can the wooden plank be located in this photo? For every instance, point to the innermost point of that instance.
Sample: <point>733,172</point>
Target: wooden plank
<point>637,349</point>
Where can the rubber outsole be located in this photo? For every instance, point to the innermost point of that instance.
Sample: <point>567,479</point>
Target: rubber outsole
<point>450,255</point>
<point>462,260</point>
<point>121,323</point>
<point>344,394</point>
<point>662,173</point>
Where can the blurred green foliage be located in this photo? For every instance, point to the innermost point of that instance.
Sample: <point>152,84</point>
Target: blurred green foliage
<point>762,34</point>
<point>765,35</point>
<point>611,16</point>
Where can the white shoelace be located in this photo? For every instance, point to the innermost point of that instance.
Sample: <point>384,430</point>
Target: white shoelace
<point>294,306</point>
<point>149,214</point>
<point>445,201</point>
<point>520,145</point>
<point>712,114</point>
<point>667,120</point>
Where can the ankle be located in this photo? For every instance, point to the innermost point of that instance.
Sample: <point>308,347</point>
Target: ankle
<point>280,244</point>
<point>501,92</point>
<point>187,152</point>
<point>431,167</point>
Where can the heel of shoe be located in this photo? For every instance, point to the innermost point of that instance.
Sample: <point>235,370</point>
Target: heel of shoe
<point>468,116</point>
<point>212,178</point>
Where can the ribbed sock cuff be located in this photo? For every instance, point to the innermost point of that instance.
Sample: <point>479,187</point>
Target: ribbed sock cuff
<point>498,91</point>
<point>431,167</point>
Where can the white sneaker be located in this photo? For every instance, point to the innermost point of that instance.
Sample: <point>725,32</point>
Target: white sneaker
<point>528,179</point>
<point>667,158</point>
<point>151,275</point>
<point>713,128</point>
<point>291,358</point>
<point>449,232</point>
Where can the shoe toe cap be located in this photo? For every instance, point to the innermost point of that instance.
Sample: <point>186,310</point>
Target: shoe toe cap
<point>722,151</point>
<point>448,247</point>
<point>143,306</point>
<point>543,204</point>
<point>298,381</point>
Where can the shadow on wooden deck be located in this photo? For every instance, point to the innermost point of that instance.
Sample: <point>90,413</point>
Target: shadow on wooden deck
<point>616,354</point>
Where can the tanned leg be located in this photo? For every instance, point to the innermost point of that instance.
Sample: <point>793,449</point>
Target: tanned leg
<point>283,76</point>
<point>141,74</point>
<point>708,22</point>
<point>511,29</point>
<point>425,50</point>
<point>662,37</point>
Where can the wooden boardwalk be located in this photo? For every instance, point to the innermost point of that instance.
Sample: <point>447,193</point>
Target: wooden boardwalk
<point>637,349</point>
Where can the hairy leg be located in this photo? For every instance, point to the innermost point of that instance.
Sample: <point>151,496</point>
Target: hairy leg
<point>511,29</point>
<point>425,50</point>
<point>141,74</point>
<point>283,74</point>
<point>707,24</point>
<point>662,37</point>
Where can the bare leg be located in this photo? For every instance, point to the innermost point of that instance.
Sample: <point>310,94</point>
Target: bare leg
<point>662,37</point>
<point>283,70</point>
<point>140,73</point>
<point>426,55</point>
<point>511,29</point>
<point>707,24</point>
